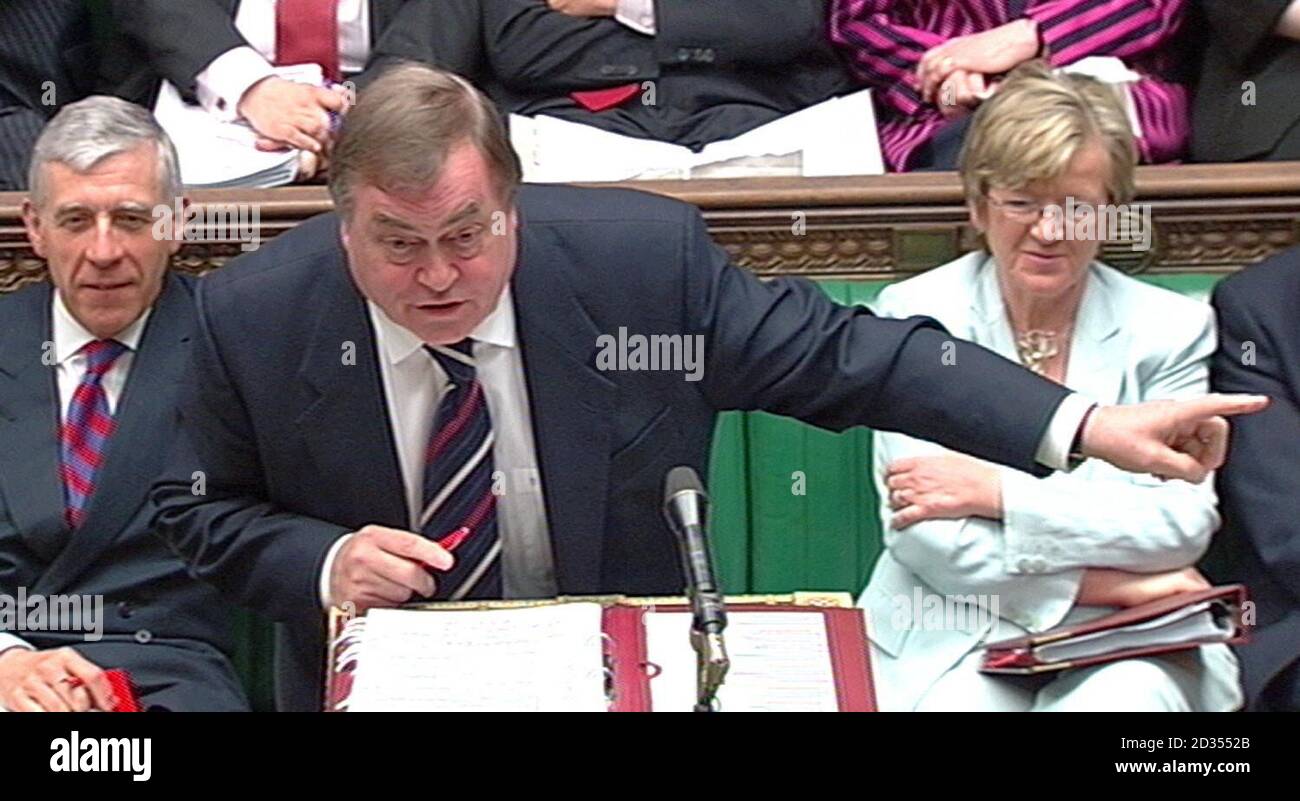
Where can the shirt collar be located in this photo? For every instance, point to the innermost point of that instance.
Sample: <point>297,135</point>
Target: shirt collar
<point>71,336</point>
<point>398,344</point>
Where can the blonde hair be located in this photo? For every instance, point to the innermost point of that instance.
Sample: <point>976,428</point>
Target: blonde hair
<point>404,125</point>
<point>1034,126</point>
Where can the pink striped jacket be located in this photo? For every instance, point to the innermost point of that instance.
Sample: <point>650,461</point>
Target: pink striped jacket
<point>885,40</point>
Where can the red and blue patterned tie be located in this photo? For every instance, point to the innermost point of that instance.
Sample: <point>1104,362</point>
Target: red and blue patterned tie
<point>459,505</point>
<point>86,430</point>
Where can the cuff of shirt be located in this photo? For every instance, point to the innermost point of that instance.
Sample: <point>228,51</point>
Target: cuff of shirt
<point>639,15</point>
<point>1054,449</point>
<point>325,600</point>
<point>223,83</point>
<point>9,642</point>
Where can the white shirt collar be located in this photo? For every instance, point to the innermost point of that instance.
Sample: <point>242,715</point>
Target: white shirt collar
<point>398,344</point>
<point>71,336</point>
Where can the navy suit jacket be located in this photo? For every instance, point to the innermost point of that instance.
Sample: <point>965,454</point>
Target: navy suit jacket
<point>1259,487</point>
<point>147,593</point>
<point>297,448</point>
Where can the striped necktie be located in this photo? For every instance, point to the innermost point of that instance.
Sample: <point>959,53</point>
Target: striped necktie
<point>86,430</point>
<point>459,505</point>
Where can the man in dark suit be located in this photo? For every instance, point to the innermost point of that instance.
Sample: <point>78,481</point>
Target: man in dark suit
<point>89,370</point>
<point>1247,108</point>
<point>46,62</point>
<point>719,67</point>
<point>1259,486</point>
<point>446,390</point>
<point>220,53</point>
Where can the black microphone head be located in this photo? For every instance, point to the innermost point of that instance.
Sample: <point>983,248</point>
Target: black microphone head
<point>681,479</point>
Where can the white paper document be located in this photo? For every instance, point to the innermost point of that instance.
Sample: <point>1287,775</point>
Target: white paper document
<point>835,137</point>
<point>216,154</point>
<point>535,659</point>
<point>780,662</point>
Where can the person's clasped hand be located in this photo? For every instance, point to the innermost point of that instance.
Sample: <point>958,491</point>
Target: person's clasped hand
<point>56,680</point>
<point>990,52</point>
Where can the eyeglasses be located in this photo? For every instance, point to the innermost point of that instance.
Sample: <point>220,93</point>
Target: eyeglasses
<point>1022,210</point>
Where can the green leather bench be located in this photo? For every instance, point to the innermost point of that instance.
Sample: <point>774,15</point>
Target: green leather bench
<point>774,529</point>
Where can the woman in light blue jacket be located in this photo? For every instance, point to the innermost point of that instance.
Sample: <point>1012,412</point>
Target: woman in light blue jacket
<point>976,552</point>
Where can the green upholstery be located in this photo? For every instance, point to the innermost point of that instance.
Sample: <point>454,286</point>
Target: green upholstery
<point>768,536</point>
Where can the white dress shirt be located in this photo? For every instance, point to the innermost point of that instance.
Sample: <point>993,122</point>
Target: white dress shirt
<point>639,15</point>
<point>222,83</point>
<point>414,384</point>
<point>70,337</point>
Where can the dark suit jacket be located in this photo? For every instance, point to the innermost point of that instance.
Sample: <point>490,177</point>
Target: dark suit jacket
<point>1241,47</point>
<point>1259,487</point>
<point>719,67</point>
<point>165,39</point>
<point>114,554</point>
<point>297,447</point>
<point>46,54</point>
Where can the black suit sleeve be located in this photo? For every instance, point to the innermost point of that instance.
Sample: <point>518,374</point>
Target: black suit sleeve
<point>447,34</point>
<point>740,32</point>
<point>1259,486</point>
<point>210,507</point>
<point>784,347</point>
<point>179,39</point>
<point>1244,26</point>
<point>536,49</point>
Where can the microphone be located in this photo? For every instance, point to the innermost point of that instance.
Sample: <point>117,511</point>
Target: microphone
<point>686,508</point>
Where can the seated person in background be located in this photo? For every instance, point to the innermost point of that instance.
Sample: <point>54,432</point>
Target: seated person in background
<point>225,55</point>
<point>45,61</point>
<point>1259,348</point>
<point>1041,552</point>
<point>932,63</point>
<point>685,72</point>
<point>1246,105</point>
<point>89,371</point>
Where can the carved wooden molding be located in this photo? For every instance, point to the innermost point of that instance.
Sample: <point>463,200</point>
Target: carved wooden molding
<point>1207,218</point>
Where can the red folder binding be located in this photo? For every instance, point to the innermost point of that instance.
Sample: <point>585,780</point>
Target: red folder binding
<point>1024,655</point>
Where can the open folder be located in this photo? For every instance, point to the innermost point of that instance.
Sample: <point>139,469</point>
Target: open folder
<point>1176,623</point>
<point>806,652</point>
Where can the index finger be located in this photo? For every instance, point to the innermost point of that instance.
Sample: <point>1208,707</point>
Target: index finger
<point>92,677</point>
<point>1220,405</point>
<point>415,547</point>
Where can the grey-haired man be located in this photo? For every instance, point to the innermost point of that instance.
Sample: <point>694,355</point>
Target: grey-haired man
<point>89,369</point>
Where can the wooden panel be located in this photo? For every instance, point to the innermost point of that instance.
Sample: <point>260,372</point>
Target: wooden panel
<point>1207,219</point>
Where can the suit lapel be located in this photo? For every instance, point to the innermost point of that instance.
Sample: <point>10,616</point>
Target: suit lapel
<point>345,425</point>
<point>29,424</point>
<point>145,417</point>
<point>1099,351</point>
<point>572,407</point>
